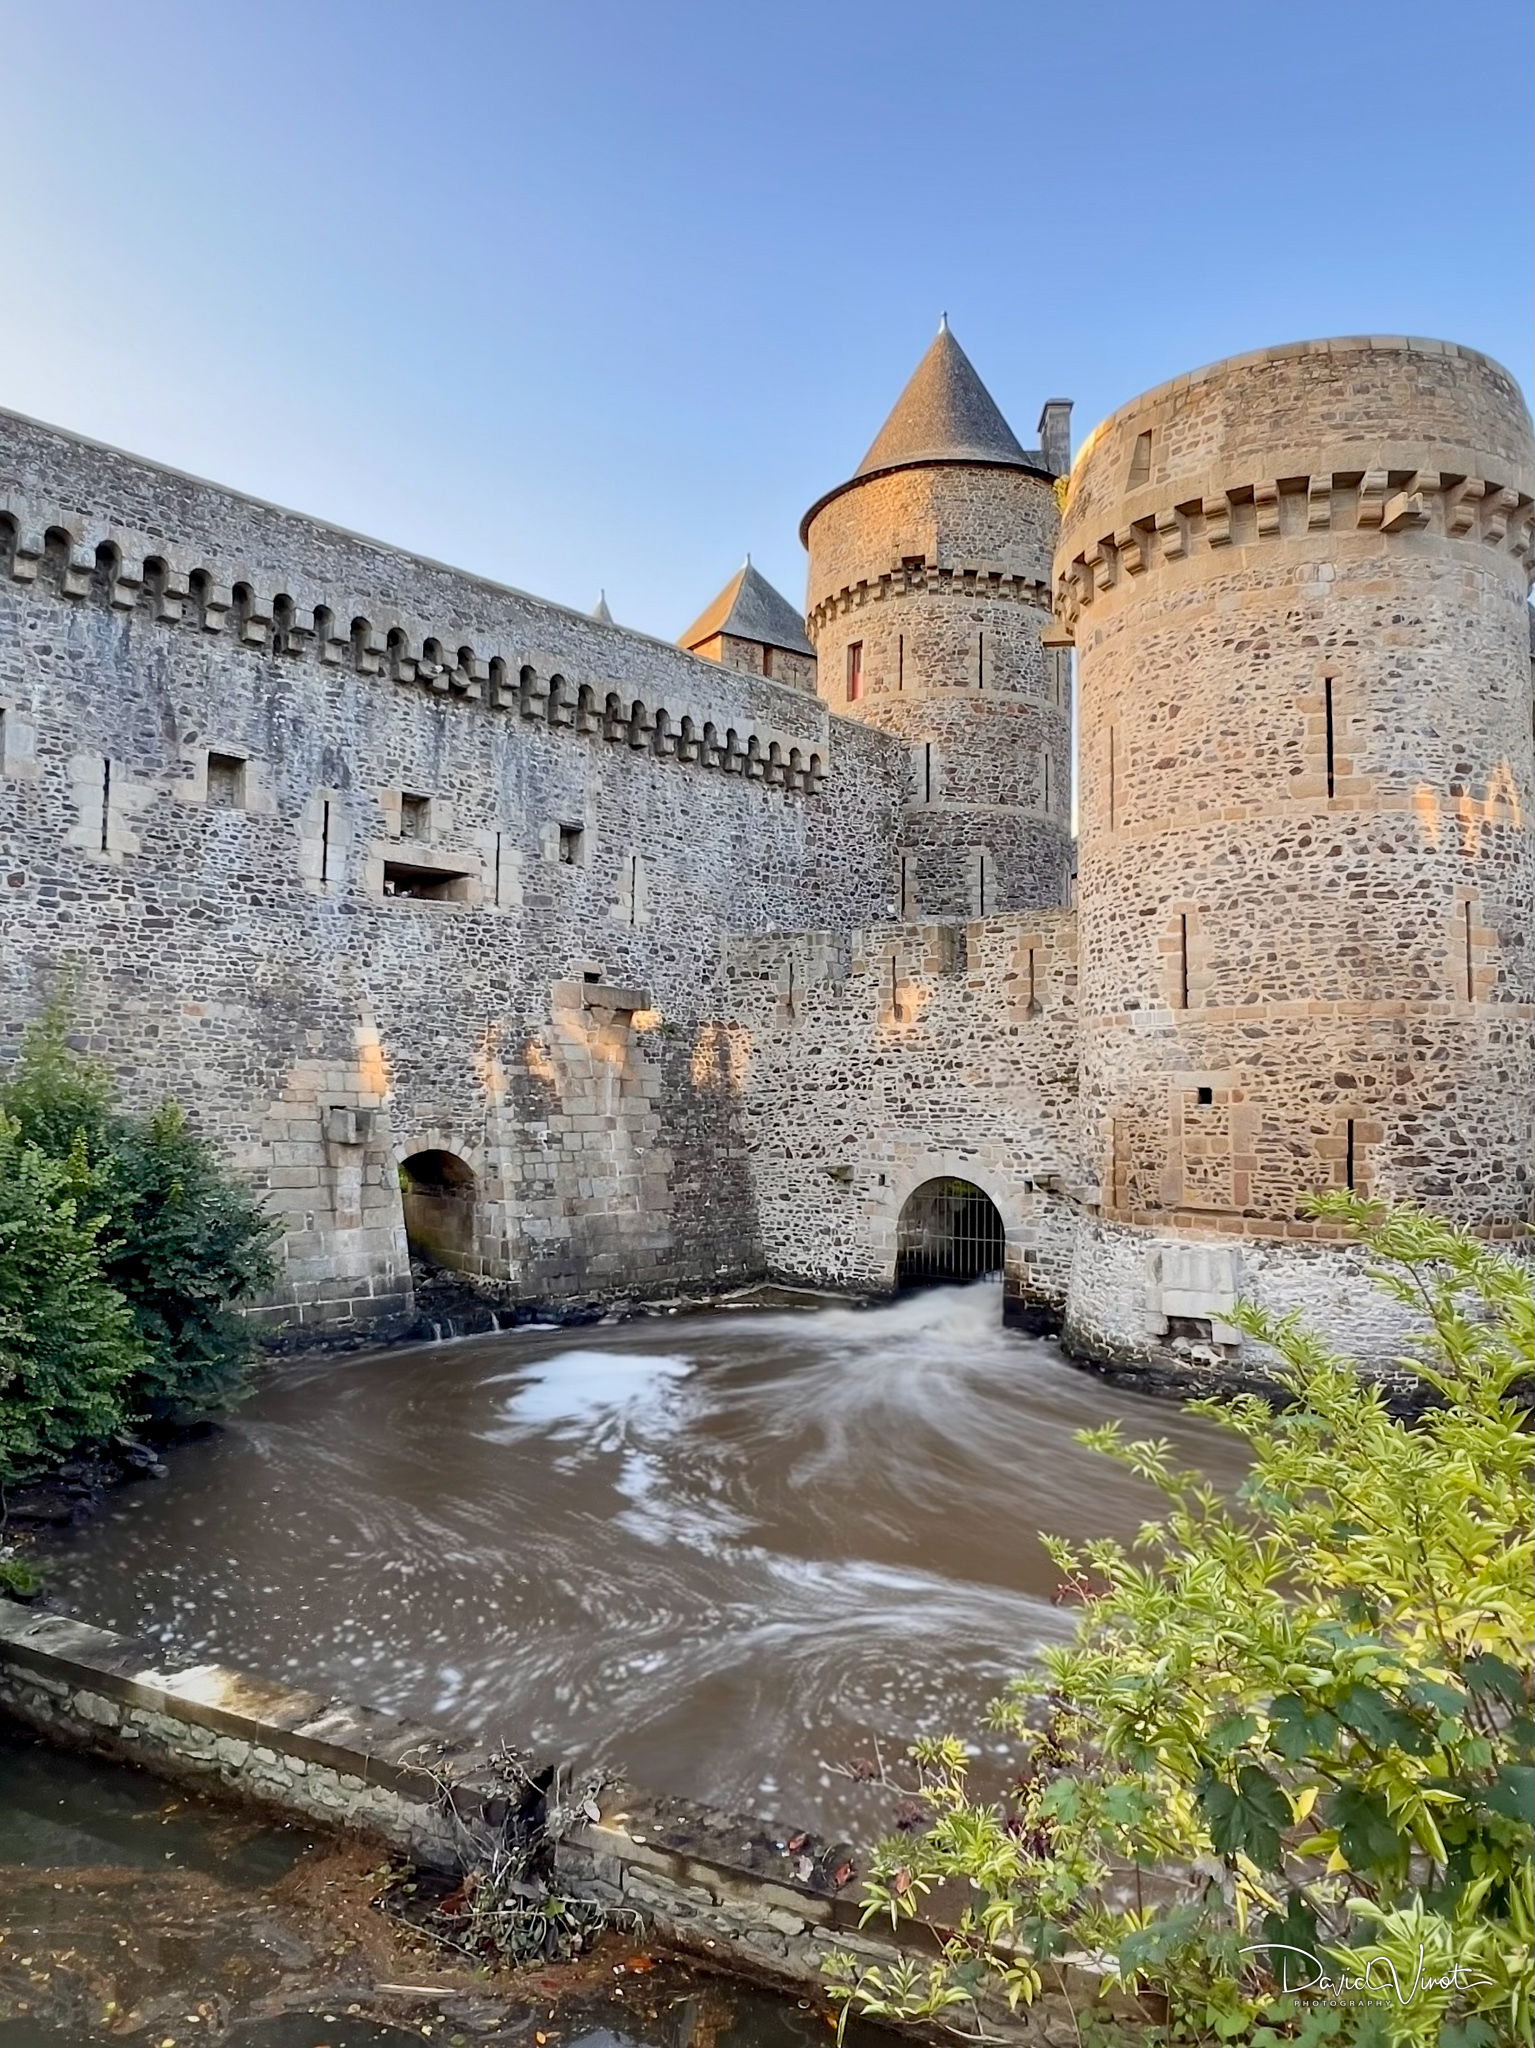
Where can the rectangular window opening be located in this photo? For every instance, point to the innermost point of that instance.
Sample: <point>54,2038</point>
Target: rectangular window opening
<point>496,889</point>
<point>415,816</point>
<point>980,883</point>
<point>1348,1156</point>
<point>634,888</point>
<point>226,782</point>
<point>927,771</point>
<point>1183,962</point>
<point>854,671</point>
<point>1331,763</point>
<point>325,840</point>
<point>425,885</point>
<point>905,885</point>
<point>980,661</point>
<point>106,802</point>
<point>1204,1097</point>
<point>571,837</point>
<point>900,661</point>
<point>1033,1000</point>
<point>767,661</point>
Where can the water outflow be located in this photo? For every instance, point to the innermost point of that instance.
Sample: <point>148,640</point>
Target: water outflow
<point>720,1549</point>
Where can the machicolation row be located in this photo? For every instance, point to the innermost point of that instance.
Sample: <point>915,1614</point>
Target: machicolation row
<point>1337,501</point>
<point>62,553</point>
<point>929,580</point>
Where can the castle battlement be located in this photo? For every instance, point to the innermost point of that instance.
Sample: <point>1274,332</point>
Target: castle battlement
<point>1299,499</point>
<point>463,638</point>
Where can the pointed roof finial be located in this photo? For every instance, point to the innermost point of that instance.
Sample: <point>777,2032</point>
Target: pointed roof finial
<point>943,323</point>
<point>600,610</point>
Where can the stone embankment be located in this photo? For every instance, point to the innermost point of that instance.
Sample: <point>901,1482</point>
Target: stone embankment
<point>730,1892</point>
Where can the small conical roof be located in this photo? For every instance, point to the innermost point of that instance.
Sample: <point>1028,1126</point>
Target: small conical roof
<point>749,608</point>
<point>945,414</point>
<point>600,610</point>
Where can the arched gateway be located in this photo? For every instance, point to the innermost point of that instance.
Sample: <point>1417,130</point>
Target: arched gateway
<point>437,1192</point>
<point>949,1230</point>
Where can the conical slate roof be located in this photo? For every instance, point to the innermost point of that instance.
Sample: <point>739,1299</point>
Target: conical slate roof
<point>945,414</point>
<point>749,608</point>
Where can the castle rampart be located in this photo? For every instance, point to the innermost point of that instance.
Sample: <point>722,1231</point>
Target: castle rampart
<point>368,861</point>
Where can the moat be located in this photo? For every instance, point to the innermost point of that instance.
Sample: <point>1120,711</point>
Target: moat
<point>720,1550</point>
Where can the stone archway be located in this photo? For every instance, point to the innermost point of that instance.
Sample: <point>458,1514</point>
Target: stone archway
<point>438,1193</point>
<point>949,1231</point>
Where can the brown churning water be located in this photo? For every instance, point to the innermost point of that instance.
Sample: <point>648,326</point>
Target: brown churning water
<point>721,1550</point>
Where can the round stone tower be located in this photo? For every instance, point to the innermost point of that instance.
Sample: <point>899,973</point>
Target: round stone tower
<point>1297,586</point>
<point>929,592</point>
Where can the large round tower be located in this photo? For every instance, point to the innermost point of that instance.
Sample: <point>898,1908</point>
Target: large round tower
<point>929,591</point>
<point>1297,585</point>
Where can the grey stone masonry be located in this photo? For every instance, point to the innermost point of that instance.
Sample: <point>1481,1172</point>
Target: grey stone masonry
<point>319,838</point>
<point>715,1885</point>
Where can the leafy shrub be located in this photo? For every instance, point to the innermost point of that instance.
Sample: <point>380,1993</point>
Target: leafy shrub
<point>68,1347</point>
<point>125,1252</point>
<point>1292,1736</point>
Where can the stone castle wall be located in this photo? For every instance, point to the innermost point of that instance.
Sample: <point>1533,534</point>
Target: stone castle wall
<point>366,859</point>
<point>233,742</point>
<point>940,575</point>
<point>1297,587</point>
<point>876,1061</point>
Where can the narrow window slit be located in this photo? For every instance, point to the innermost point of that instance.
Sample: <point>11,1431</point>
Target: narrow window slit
<point>1348,1157</point>
<point>1331,764</point>
<point>1470,971</point>
<point>1183,961</point>
<point>106,801</point>
<point>325,840</point>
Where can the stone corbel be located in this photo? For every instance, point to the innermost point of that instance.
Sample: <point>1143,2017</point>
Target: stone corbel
<point>1319,503</point>
<point>1497,508</point>
<point>1373,487</point>
<point>1130,546</point>
<point>1266,505</point>
<point>1461,504</point>
<point>1173,533</point>
<point>1217,516</point>
<point>79,569</point>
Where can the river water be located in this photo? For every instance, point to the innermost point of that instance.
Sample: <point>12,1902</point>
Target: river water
<point>722,1550</point>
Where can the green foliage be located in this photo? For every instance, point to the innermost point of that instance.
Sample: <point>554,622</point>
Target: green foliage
<point>1292,1737</point>
<point>124,1255</point>
<point>68,1347</point>
<point>192,1244</point>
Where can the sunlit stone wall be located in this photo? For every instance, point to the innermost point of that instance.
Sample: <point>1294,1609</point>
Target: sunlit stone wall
<point>1296,583</point>
<point>228,732</point>
<point>875,1061</point>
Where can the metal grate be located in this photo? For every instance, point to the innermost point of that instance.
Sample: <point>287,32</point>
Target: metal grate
<point>949,1230</point>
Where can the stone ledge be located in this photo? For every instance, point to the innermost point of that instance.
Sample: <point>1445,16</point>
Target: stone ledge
<point>714,1885</point>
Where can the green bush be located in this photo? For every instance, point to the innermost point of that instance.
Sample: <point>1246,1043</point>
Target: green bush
<point>1292,1736</point>
<point>125,1254</point>
<point>68,1347</point>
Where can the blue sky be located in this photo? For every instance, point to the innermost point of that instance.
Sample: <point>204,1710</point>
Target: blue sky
<point>598,293</point>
